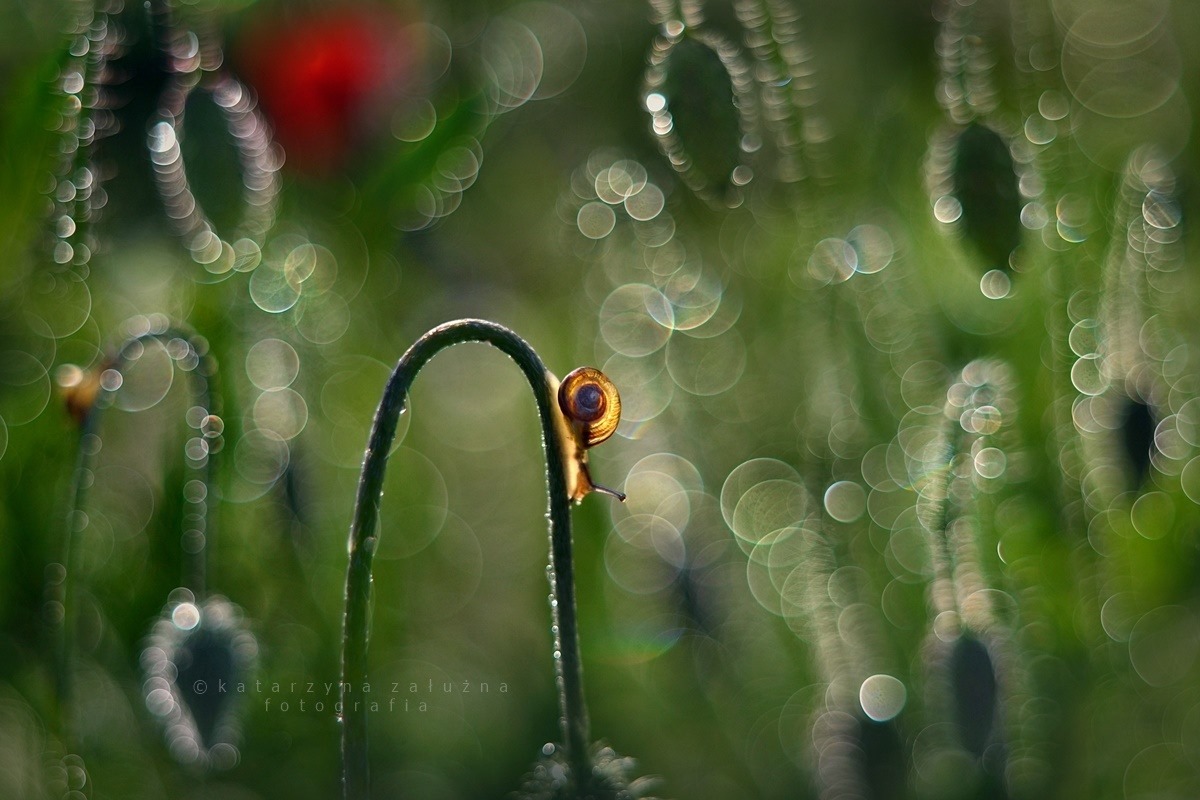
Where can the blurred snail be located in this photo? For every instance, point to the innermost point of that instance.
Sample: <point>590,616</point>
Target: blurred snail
<point>79,389</point>
<point>590,411</point>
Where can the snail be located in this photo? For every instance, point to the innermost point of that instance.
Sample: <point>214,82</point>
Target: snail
<point>79,389</point>
<point>590,409</point>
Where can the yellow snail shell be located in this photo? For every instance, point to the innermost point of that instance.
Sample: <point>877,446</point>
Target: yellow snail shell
<point>590,401</point>
<point>589,410</point>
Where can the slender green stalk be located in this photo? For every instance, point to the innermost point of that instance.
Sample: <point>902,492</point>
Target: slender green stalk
<point>364,538</point>
<point>944,554</point>
<point>81,88</point>
<point>942,509</point>
<point>203,379</point>
<point>949,499</point>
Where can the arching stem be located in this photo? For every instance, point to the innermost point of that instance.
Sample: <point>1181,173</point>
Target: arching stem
<point>364,538</point>
<point>87,400</point>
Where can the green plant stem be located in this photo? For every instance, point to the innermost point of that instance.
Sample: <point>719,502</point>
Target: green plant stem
<point>93,26</point>
<point>364,539</point>
<point>945,511</point>
<point>948,507</point>
<point>204,393</point>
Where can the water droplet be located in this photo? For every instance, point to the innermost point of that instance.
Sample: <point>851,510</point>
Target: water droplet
<point>845,501</point>
<point>596,220</point>
<point>882,697</point>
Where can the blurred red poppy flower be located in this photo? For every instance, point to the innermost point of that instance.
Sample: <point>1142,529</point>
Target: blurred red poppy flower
<point>331,77</point>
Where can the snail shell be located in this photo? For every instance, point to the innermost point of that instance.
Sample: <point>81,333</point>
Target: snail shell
<point>79,389</point>
<point>589,400</point>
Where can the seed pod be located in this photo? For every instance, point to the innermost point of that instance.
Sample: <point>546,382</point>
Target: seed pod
<point>884,760</point>
<point>1137,439</point>
<point>975,692</point>
<point>192,651</point>
<point>699,92</point>
<point>986,185</point>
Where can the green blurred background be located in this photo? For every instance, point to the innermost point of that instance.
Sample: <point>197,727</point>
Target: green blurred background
<point>783,315</point>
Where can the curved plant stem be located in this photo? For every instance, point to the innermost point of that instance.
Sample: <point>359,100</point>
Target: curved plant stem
<point>203,379</point>
<point>364,538</point>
